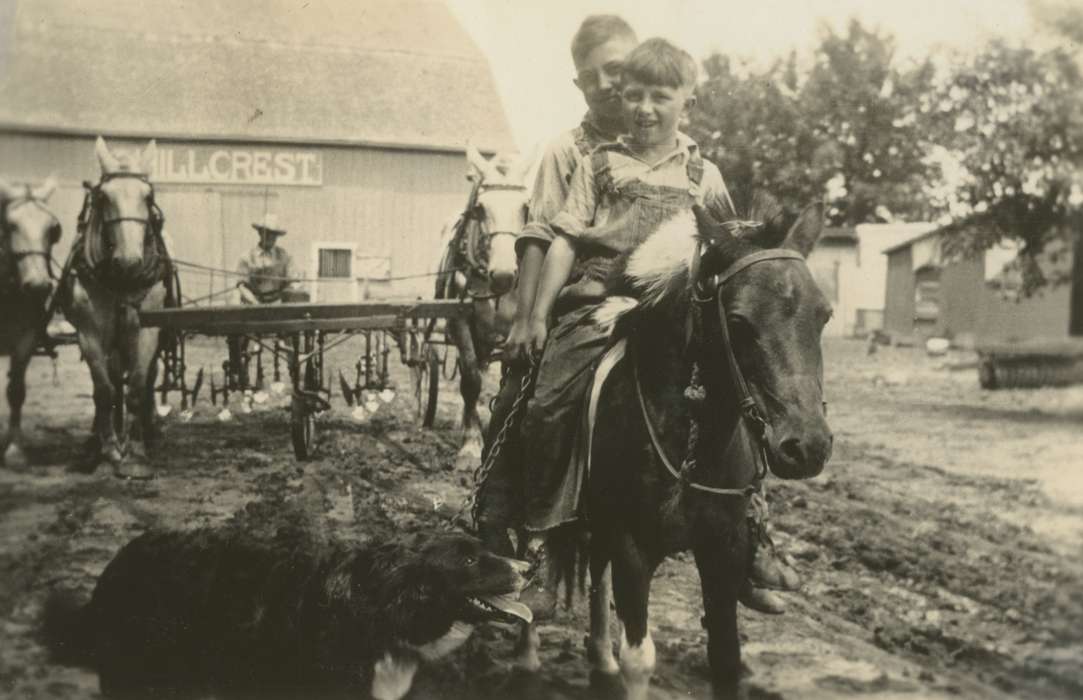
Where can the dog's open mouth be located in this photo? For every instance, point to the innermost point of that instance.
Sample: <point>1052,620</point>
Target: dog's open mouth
<point>502,608</point>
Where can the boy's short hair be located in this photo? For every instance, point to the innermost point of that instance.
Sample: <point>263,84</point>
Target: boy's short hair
<point>597,30</point>
<point>658,62</point>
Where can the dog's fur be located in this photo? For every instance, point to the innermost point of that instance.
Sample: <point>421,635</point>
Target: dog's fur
<point>218,611</point>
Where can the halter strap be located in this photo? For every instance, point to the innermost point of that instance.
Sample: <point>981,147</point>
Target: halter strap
<point>716,281</point>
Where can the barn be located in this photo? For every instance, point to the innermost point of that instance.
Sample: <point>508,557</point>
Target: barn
<point>347,120</point>
<point>977,299</point>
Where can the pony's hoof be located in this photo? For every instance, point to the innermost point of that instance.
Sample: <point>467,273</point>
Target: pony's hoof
<point>15,458</point>
<point>134,469</point>
<point>606,685</point>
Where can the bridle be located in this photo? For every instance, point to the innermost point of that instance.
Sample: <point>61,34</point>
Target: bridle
<point>705,293</point>
<point>95,192</point>
<point>482,237</point>
<point>17,255</point>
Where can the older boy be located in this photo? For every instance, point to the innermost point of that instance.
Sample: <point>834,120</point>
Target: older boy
<point>598,50</point>
<point>619,195</point>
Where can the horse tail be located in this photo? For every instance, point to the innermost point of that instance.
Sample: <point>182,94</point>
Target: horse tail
<point>569,555</point>
<point>67,630</point>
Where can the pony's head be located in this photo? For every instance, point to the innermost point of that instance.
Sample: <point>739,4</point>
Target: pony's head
<point>124,207</point>
<point>500,210</point>
<point>751,275</point>
<point>28,231</point>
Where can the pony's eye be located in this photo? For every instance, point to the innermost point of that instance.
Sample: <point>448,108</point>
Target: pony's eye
<point>470,561</point>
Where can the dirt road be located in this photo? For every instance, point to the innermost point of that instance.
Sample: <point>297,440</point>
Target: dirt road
<point>942,549</point>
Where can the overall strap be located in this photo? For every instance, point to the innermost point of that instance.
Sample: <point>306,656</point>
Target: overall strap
<point>695,168</point>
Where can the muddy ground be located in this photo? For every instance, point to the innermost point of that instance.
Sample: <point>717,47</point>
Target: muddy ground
<point>942,549</point>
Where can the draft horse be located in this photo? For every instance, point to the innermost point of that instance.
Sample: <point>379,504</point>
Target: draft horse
<point>722,377</point>
<point>28,232</point>
<point>479,264</point>
<point>119,268</point>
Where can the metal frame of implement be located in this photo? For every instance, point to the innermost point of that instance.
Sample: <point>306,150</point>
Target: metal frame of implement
<point>307,326</point>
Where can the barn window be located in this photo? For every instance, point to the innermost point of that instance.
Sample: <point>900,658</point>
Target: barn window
<point>335,263</point>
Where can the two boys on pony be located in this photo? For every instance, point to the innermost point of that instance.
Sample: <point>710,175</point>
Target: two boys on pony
<point>617,177</point>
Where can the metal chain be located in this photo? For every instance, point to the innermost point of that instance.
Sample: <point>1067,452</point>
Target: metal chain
<point>481,474</point>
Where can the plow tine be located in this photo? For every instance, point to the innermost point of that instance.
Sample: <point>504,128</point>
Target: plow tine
<point>347,391</point>
<point>197,386</point>
<point>214,392</point>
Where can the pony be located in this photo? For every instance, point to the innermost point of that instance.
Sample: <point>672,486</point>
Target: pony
<point>479,263</point>
<point>120,267</point>
<point>28,232</point>
<point>721,380</point>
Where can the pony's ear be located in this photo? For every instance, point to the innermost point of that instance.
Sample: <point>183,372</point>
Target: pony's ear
<point>709,228</point>
<point>107,161</point>
<point>804,233</point>
<point>45,189</point>
<point>765,209</point>
<point>149,158</point>
<point>477,166</point>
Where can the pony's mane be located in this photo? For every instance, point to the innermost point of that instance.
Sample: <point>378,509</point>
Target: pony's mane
<point>657,272</point>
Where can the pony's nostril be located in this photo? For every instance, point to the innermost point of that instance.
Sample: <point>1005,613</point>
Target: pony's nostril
<point>792,450</point>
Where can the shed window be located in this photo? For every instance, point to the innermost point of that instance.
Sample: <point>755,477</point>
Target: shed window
<point>336,263</point>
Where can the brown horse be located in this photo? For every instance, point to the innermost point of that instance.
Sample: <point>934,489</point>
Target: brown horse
<point>119,269</point>
<point>28,231</point>
<point>721,378</point>
<point>479,263</point>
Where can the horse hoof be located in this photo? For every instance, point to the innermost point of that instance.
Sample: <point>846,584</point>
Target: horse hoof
<point>15,458</point>
<point>134,469</point>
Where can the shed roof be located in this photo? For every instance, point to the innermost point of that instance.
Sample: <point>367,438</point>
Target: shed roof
<point>399,73</point>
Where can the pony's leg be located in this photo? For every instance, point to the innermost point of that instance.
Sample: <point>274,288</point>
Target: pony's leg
<point>720,578</point>
<point>470,387</point>
<point>631,592</point>
<point>22,352</point>
<point>604,668</point>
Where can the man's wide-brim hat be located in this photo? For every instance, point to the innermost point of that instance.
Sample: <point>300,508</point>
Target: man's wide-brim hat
<point>269,224</point>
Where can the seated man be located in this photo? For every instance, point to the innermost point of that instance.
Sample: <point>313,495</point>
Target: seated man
<point>266,274</point>
<point>267,268</point>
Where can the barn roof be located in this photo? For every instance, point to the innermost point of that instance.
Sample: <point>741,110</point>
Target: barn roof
<point>398,73</point>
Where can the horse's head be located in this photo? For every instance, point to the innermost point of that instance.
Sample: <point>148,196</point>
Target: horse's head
<point>124,207</point>
<point>28,231</point>
<point>752,276</point>
<point>500,212</point>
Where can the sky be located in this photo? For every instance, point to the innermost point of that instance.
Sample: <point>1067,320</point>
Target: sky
<point>527,42</point>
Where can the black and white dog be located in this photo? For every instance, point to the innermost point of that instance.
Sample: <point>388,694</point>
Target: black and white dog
<point>186,614</point>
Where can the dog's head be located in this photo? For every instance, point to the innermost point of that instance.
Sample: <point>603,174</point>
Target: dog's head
<point>436,581</point>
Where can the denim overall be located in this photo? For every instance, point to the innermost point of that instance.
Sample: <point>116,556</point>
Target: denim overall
<point>552,481</point>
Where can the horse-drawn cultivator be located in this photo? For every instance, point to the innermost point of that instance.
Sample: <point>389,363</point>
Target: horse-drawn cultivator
<point>298,336</point>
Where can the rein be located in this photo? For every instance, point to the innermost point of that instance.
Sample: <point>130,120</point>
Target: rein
<point>749,409</point>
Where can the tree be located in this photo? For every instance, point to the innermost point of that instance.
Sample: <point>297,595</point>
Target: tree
<point>1011,119</point>
<point>847,131</point>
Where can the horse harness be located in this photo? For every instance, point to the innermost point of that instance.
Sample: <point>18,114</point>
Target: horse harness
<point>157,265</point>
<point>710,291</point>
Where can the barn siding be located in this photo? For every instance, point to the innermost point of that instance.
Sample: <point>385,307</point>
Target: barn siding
<point>389,203</point>
<point>899,300</point>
